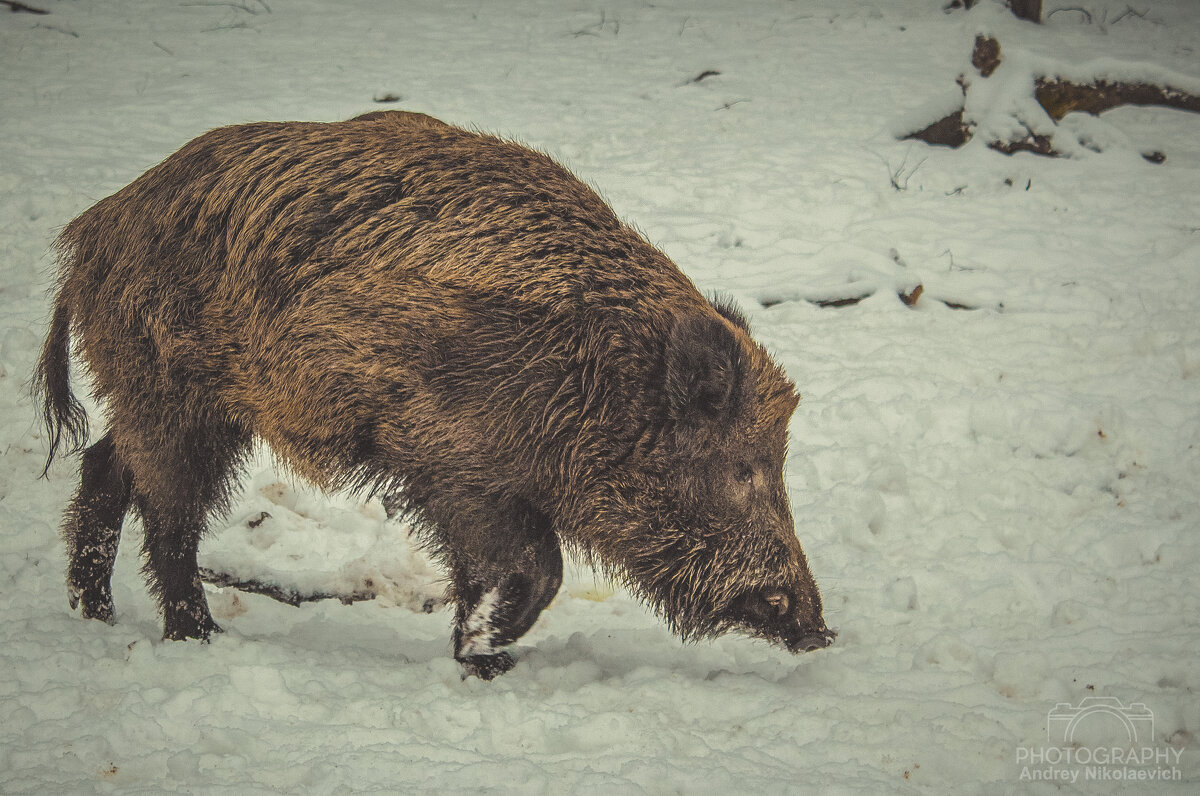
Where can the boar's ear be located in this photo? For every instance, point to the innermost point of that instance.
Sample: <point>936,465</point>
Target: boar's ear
<point>706,370</point>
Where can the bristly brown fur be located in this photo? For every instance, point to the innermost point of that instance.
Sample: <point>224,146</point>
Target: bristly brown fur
<point>395,304</point>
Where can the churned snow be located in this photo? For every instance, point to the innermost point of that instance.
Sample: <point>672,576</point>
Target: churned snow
<point>1000,503</point>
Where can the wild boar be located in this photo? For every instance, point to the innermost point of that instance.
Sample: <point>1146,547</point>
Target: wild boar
<point>453,320</point>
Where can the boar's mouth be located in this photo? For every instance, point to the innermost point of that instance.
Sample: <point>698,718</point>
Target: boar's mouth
<point>814,640</point>
<point>773,615</point>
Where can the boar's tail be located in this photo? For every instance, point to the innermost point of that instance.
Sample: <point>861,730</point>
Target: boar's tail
<point>65,418</point>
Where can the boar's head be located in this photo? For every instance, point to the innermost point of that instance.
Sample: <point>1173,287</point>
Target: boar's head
<point>716,549</point>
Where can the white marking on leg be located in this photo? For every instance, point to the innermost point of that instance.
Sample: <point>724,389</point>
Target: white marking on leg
<point>477,630</point>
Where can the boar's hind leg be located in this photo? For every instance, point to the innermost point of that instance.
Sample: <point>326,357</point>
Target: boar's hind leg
<point>175,496</point>
<point>501,585</point>
<point>92,529</point>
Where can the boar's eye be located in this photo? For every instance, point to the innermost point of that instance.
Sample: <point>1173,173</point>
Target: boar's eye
<point>766,607</point>
<point>744,474</point>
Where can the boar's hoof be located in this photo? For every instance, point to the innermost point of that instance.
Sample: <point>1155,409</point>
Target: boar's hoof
<point>486,667</point>
<point>105,612</point>
<point>94,606</point>
<point>201,629</point>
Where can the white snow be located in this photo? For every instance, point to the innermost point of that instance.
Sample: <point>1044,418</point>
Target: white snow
<point>1000,505</point>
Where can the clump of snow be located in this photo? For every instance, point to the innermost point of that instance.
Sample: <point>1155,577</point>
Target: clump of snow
<point>998,503</point>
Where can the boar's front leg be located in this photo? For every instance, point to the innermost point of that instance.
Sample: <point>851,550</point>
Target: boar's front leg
<point>505,571</point>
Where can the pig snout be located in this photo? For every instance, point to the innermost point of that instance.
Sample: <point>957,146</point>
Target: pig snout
<point>779,617</point>
<point>811,640</point>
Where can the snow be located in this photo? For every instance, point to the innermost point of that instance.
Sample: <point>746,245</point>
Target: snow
<point>999,504</point>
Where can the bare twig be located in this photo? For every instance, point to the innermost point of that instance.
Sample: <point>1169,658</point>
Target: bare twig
<point>900,176</point>
<point>707,73</point>
<point>730,104</point>
<point>234,26</point>
<point>1130,11</point>
<point>18,8</point>
<point>604,23</point>
<point>238,6</point>
<point>1087,15</point>
<point>58,29</point>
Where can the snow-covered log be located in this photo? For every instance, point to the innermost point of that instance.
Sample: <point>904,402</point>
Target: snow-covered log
<point>1024,9</point>
<point>1016,103</point>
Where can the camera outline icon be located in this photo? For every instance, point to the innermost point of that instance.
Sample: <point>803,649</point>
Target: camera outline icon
<point>1064,718</point>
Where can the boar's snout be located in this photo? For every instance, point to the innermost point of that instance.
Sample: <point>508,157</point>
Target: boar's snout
<point>778,617</point>
<point>814,640</point>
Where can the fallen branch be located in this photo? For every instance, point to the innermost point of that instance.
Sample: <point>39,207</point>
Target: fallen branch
<point>1057,97</point>
<point>280,593</point>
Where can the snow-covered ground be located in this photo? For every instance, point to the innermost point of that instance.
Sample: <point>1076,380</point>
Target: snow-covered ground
<point>999,504</point>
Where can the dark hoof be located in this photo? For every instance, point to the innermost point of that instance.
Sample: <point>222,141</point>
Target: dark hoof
<point>486,667</point>
<point>202,631</point>
<point>92,605</point>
